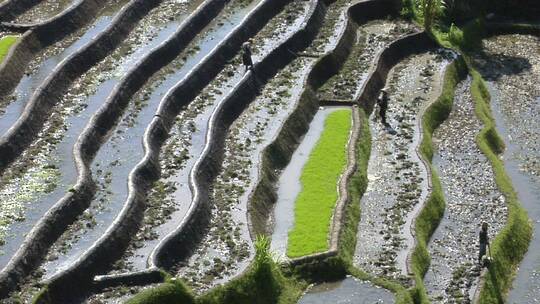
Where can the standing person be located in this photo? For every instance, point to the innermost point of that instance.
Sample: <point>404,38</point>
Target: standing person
<point>246,56</point>
<point>382,102</point>
<point>484,242</point>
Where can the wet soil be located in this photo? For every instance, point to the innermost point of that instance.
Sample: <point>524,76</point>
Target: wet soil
<point>511,65</point>
<point>42,65</point>
<point>332,26</point>
<point>44,10</point>
<point>164,213</point>
<point>471,197</point>
<point>45,171</point>
<point>123,150</point>
<point>350,290</point>
<point>372,37</point>
<point>49,163</point>
<point>225,249</point>
<point>397,177</point>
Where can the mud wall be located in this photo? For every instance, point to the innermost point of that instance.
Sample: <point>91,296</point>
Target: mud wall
<point>12,8</point>
<point>278,154</point>
<point>110,247</point>
<point>41,36</point>
<point>385,60</point>
<point>192,229</point>
<point>65,212</point>
<point>38,109</point>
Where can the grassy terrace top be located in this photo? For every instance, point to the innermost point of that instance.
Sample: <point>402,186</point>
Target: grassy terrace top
<point>5,43</point>
<point>315,204</point>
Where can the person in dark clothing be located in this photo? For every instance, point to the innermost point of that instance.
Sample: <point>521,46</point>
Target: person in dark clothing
<point>382,102</point>
<point>484,242</point>
<point>246,56</point>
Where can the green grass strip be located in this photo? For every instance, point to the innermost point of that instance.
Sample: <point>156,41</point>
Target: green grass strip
<point>316,202</point>
<point>5,44</point>
<point>512,241</point>
<point>430,216</point>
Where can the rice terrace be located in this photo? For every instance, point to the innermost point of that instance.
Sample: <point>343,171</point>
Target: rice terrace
<point>270,151</point>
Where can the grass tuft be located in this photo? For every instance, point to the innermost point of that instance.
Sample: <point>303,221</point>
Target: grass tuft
<point>315,204</point>
<point>5,44</point>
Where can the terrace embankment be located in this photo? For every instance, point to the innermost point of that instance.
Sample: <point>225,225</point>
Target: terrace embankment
<point>43,64</point>
<point>471,197</point>
<point>43,10</point>
<point>230,249</point>
<point>10,9</point>
<point>397,177</point>
<point>511,66</point>
<point>212,48</point>
<point>40,39</point>
<point>47,171</point>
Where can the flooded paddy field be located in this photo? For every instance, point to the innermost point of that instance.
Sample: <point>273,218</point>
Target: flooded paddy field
<point>226,248</point>
<point>511,65</point>
<point>47,60</point>
<point>397,183</point>
<point>111,167</point>
<point>371,38</point>
<point>200,155</point>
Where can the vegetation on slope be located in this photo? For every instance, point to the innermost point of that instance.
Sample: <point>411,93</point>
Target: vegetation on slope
<point>315,204</point>
<point>512,242</point>
<point>5,44</point>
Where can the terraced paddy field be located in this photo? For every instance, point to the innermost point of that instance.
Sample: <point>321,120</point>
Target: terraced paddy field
<point>144,160</point>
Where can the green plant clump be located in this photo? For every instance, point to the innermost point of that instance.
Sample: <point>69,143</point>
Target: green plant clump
<point>315,204</point>
<point>5,44</point>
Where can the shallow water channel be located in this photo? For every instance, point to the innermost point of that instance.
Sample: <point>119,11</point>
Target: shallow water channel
<point>123,150</point>
<point>43,65</point>
<point>511,65</point>
<point>348,291</point>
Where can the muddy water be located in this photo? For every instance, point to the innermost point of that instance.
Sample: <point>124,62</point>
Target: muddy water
<point>511,65</point>
<point>397,178</point>
<point>72,114</point>
<point>119,155</point>
<point>170,199</point>
<point>350,290</point>
<point>471,197</point>
<point>44,10</point>
<point>371,38</point>
<point>42,175</point>
<point>40,68</point>
<point>289,185</point>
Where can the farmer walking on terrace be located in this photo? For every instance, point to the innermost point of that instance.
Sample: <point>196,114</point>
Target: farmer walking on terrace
<point>484,242</point>
<point>246,56</point>
<point>382,102</point>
